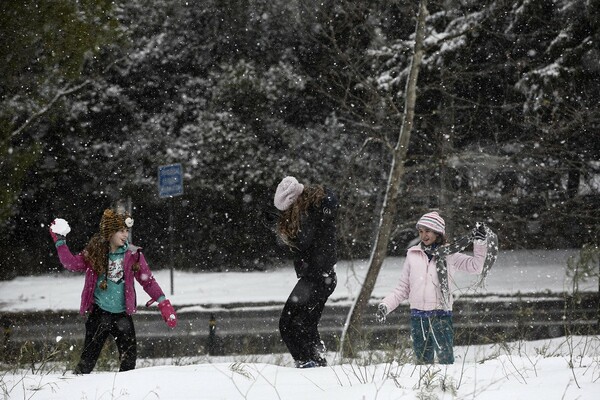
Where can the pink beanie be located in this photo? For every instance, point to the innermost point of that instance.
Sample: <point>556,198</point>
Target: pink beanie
<point>433,221</point>
<point>287,193</point>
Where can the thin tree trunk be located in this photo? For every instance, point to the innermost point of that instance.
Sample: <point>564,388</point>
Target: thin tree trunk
<point>353,327</point>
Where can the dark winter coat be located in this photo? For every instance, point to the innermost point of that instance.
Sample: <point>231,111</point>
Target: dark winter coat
<point>315,252</point>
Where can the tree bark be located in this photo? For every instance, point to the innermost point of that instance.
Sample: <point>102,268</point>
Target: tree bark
<point>353,327</point>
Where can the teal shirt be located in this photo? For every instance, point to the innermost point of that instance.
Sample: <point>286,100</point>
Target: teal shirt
<point>113,298</point>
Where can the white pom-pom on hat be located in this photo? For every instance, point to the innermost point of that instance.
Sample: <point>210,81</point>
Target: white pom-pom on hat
<point>60,227</point>
<point>288,191</point>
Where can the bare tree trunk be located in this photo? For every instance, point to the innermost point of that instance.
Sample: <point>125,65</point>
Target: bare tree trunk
<point>353,326</point>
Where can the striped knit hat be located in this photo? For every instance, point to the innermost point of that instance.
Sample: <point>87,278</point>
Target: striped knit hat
<point>433,221</point>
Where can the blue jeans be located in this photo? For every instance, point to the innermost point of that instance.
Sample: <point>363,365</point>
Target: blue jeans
<point>432,335</point>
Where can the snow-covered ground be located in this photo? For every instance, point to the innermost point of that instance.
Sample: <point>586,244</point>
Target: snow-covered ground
<point>557,369</point>
<point>560,368</point>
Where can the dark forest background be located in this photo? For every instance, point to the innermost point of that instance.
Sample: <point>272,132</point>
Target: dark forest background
<point>96,95</point>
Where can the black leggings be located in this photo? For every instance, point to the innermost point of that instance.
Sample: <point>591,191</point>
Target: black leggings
<point>99,325</point>
<point>301,314</point>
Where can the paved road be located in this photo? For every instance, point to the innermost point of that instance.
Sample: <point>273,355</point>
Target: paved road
<point>254,330</point>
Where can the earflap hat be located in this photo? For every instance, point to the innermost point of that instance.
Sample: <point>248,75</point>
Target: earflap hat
<point>434,222</point>
<point>288,191</point>
<point>112,222</point>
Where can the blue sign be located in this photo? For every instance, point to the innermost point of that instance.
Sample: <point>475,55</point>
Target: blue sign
<point>170,180</point>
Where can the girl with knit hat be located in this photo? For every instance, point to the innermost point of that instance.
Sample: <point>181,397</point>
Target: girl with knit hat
<point>424,282</point>
<point>306,226</point>
<point>111,265</point>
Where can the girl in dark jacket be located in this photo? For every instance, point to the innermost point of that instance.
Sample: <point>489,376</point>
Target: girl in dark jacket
<point>307,226</point>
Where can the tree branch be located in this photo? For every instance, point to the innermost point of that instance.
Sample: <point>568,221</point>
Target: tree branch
<point>45,109</point>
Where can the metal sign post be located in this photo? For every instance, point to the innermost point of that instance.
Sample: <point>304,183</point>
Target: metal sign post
<point>170,184</point>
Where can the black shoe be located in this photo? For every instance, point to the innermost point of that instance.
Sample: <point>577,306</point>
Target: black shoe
<point>306,364</point>
<point>77,371</point>
<point>318,354</point>
<point>321,362</point>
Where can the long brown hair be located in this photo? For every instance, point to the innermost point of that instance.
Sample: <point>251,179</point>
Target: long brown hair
<point>96,253</point>
<point>288,225</point>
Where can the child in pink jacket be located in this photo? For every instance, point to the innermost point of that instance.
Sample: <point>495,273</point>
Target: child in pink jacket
<point>421,283</point>
<point>111,266</point>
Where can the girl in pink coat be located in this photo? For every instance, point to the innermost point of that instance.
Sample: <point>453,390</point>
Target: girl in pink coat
<point>428,268</point>
<point>111,266</point>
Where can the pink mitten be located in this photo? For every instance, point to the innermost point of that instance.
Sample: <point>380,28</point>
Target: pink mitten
<point>55,237</point>
<point>168,313</point>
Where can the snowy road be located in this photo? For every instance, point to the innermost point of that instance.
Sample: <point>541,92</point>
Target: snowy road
<point>247,304</point>
<point>254,330</point>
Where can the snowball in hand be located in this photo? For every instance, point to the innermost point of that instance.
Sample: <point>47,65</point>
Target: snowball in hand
<point>60,227</point>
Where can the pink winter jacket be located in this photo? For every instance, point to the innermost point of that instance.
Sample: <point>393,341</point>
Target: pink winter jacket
<point>419,282</point>
<point>132,255</point>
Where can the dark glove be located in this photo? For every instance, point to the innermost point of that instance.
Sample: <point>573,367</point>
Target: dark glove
<point>57,236</point>
<point>168,313</point>
<point>381,314</point>
<point>479,232</point>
